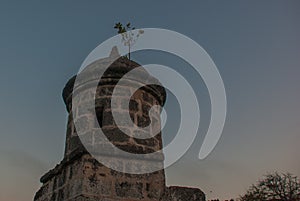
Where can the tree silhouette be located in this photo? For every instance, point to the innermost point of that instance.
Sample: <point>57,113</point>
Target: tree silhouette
<point>274,187</point>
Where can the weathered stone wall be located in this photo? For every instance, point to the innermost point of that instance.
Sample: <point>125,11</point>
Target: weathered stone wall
<point>178,193</point>
<point>84,178</point>
<point>139,107</point>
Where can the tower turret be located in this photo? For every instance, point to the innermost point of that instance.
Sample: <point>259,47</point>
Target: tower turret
<point>80,176</point>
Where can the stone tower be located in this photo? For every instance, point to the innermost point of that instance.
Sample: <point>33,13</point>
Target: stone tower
<point>79,176</point>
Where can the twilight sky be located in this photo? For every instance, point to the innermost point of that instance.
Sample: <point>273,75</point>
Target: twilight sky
<point>255,45</point>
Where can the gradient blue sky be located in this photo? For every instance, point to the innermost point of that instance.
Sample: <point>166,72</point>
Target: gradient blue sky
<point>255,45</point>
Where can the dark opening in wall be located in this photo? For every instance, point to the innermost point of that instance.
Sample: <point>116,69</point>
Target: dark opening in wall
<point>99,115</point>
